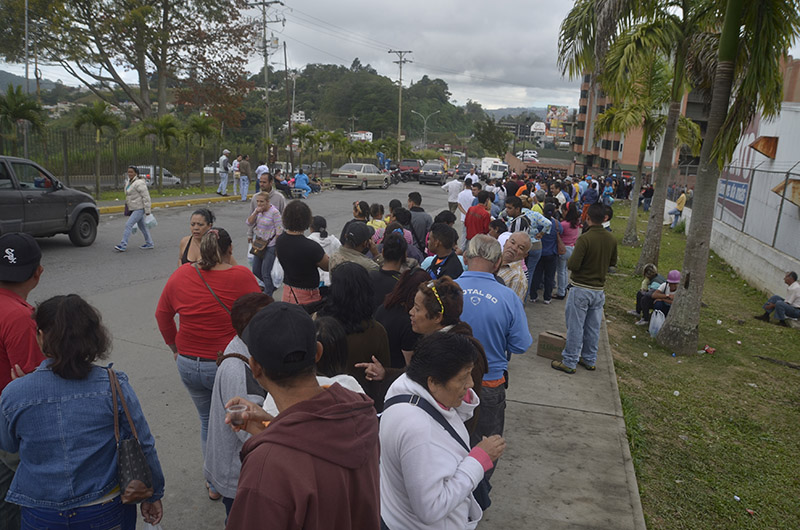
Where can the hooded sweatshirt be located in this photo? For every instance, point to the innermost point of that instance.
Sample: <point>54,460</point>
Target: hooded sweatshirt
<point>427,477</point>
<point>314,467</point>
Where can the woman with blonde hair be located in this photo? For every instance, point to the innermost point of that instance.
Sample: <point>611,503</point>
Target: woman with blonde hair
<point>137,206</point>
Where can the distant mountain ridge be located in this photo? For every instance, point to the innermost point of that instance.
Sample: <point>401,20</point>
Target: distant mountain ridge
<point>14,79</point>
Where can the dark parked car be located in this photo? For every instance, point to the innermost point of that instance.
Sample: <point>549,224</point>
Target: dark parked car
<point>33,201</point>
<point>433,172</point>
<point>463,169</point>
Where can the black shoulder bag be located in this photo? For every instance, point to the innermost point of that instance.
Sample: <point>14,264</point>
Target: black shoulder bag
<point>481,493</point>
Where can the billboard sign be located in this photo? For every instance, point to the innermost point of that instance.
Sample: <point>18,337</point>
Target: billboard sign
<point>556,116</point>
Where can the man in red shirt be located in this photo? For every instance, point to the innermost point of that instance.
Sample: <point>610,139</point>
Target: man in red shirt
<point>478,216</point>
<point>19,352</point>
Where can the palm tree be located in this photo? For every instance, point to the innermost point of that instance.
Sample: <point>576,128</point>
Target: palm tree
<point>638,104</point>
<point>16,107</point>
<point>203,126</point>
<point>162,130</point>
<point>303,132</point>
<point>337,140</point>
<point>98,117</point>
<point>755,38</point>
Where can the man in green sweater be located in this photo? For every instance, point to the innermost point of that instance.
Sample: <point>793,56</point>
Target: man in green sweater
<point>595,251</point>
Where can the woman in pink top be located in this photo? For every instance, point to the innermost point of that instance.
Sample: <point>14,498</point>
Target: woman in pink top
<point>267,225</point>
<point>571,230</point>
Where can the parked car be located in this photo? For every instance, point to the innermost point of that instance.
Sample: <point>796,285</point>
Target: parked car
<point>463,169</point>
<point>411,166</point>
<point>360,176</point>
<point>285,167</point>
<point>33,201</point>
<point>211,168</point>
<point>150,175</point>
<point>433,172</point>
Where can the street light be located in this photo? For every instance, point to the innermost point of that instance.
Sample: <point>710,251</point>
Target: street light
<point>425,125</point>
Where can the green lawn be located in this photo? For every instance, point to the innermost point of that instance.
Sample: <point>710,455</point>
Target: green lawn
<point>734,429</point>
<point>110,195</point>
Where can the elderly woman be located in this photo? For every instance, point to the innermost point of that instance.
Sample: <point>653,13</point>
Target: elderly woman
<point>202,294</point>
<point>428,474</point>
<point>60,418</point>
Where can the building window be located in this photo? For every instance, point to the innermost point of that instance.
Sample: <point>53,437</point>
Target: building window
<point>581,125</point>
<point>582,110</point>
<point>606,144</point>
<point>578,140</point>
<point>584,94</point>
<point>587,78</point>
<point>616,145</point>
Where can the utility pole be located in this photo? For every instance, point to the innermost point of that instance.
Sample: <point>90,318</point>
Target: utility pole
<point>352,120</point>
<point>288,107</point>
<point>264,5</point>
<point>400,61</point>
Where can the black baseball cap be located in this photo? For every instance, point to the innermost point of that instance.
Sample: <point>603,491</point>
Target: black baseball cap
<point>357,233</point>
<point>19,257</point>
<point>281,331</point>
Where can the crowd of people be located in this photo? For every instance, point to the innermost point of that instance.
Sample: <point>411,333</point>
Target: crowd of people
<point>401,315</point>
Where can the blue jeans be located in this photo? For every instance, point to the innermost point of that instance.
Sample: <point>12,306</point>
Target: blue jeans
<point>223,183</point>
<point>563,276</point>
<point>584,315</point>
<point>491,418</point>
<point>136,218</point>
<point>198,378</point>
<point>530,263</point>
<point>262,269</point>
<point>646,203</point>
<point>9,512</point>
<point>545,270</point>
<point>676,216</point>
<point>244,186</point>
<point>661,305</point>
<point>111,515</point>
<point>782,309</point>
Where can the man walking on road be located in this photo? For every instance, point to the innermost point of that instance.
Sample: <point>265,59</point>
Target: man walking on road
<point>19,351</point>
<point>224,169</point>
<point>246,172</point>
<point>595,251</point>
<point>421,221</point>
<point>498,321</point>
<point>453,188</point>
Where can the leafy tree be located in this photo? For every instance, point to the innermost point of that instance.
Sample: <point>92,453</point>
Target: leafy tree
<point>16,107</point>
<point>99,117</point>
<point>202,126</point>
<point>97,41</point>
<point>304,133</point>
<point>753,44</point>
<point>639,100</point>
<point>163,130</point>
<point>493,138</point>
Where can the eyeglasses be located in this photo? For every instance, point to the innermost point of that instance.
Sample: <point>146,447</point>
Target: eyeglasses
<point>432,287</point>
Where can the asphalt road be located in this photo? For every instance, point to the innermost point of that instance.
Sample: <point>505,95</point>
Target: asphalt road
<point>126,287</point>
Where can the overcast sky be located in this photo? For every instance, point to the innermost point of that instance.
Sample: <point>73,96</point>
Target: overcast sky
<point>500,53</point>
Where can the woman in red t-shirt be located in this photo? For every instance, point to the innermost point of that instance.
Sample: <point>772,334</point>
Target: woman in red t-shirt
<point>202,294</point>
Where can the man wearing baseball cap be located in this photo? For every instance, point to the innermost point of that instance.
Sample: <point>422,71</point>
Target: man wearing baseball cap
<point>356,242</point>
<point>315,465</point>
<point>19,352</point>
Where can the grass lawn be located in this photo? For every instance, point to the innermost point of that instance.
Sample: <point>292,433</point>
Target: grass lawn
<point>734,428</point>
<point>110,195</point>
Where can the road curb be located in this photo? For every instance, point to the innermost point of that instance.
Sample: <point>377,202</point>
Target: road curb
<point>172,203</point>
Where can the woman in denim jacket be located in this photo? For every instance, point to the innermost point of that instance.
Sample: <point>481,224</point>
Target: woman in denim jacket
<point>60,419</point>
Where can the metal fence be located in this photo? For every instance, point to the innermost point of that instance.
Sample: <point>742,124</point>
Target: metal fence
<point>70,155</point>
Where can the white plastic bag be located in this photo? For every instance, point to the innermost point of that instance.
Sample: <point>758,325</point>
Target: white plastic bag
<point>656,321</point>
<point>148,526</point>
<point>249,255</point>
<point>277,273</point>
<point>150,221</point>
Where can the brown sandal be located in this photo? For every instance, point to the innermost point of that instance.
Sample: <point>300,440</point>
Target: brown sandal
<point>213,495</point>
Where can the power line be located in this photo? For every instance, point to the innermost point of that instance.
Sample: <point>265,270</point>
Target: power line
<point>324,23</point>
<point>401,60</point>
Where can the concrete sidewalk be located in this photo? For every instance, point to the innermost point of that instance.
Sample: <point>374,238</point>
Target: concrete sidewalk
<point>567,464</point>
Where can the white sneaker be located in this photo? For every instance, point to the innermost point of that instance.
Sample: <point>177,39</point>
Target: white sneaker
<point>642,322</point>
<point>633,312</point>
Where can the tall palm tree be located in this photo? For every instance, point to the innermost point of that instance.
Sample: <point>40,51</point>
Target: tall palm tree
<point>162,130</point>
<point>337,140</point>
<point>100,118</point>
<point>755,38</point>
<point>15,108</point>
<point>638,103</point>
<point>203,126</point>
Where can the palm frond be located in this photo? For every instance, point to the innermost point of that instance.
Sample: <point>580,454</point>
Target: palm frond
<point>576,40</point>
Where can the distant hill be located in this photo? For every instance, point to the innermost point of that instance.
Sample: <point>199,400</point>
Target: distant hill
<point>8,77</point>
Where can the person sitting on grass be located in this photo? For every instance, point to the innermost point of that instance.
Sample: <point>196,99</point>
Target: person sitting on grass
<point>783,308</point>
<point>644,296</point>
<point>665,294</point>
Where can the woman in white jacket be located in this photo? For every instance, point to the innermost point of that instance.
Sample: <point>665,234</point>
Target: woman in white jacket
<point>427,476</point>
<point>137,199</point>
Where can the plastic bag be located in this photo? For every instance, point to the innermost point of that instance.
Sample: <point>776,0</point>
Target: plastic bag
<point>250,256</point>
<point>277,273</point>
<point>148,526</point>
<point>150,221</point>
<point>656,321</point>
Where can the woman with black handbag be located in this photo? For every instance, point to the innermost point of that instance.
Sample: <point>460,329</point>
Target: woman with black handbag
<point>267,225</point>
<point>62,419</point>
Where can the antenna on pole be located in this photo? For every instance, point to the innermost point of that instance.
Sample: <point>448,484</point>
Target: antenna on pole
<point>401,60</point>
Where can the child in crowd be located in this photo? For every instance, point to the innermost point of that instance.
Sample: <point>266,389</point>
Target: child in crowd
<point>329,243</point>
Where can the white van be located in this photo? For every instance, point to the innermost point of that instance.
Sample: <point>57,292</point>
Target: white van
<point>496,171</point>
<point>486,164</point>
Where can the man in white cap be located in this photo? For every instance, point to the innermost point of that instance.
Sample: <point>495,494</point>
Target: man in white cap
<point>224,169</point>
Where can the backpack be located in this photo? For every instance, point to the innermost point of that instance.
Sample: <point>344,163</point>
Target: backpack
<point>252,385</point>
